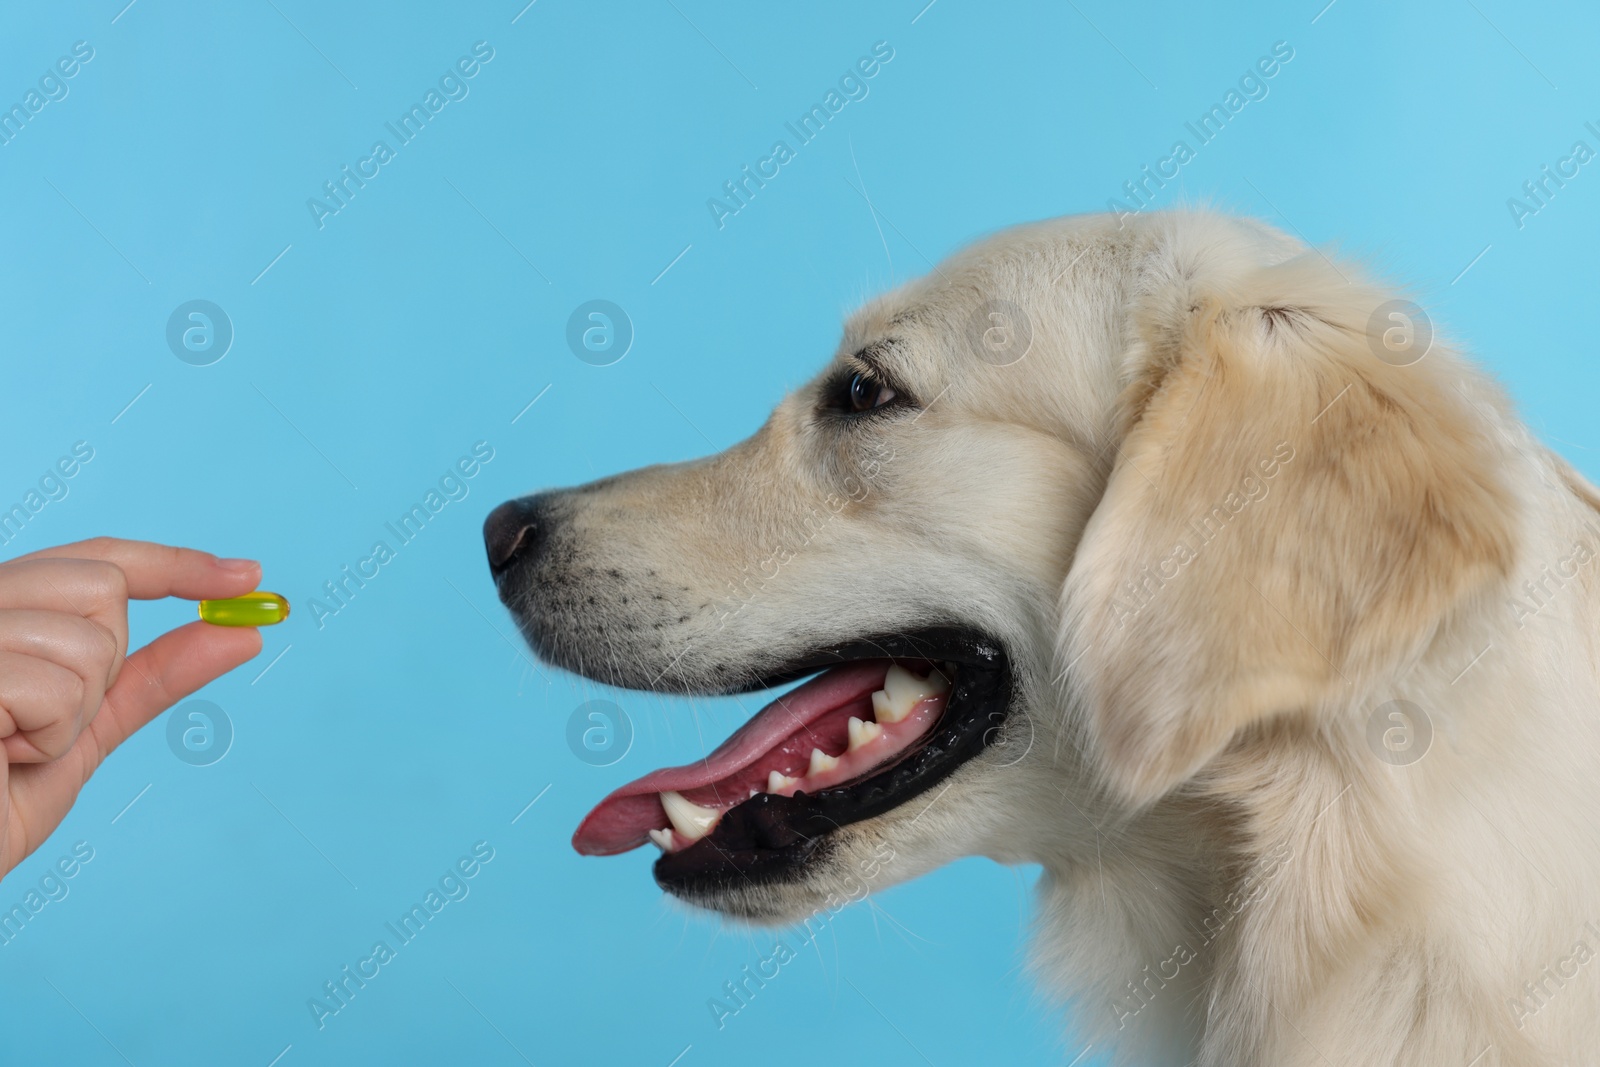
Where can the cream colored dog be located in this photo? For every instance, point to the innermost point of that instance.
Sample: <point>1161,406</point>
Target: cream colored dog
<point>1175,557</point>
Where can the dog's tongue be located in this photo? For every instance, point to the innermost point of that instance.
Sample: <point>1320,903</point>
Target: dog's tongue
<point>624,819</point>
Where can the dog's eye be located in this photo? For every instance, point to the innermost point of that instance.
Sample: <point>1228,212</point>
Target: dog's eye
<point>866,393</point>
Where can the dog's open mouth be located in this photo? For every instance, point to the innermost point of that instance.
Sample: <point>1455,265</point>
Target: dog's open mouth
<point>883,721</point>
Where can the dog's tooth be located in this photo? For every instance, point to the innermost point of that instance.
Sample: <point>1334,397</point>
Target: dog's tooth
<point>939,678</point>
<point>862,733</point>
<point>777,783</point>
<point>821,761</point>
<point>688,818</point>
<point>903,691</point>
<point>662,838</point>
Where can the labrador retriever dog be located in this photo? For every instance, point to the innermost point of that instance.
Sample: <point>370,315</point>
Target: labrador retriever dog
<point>1171,555</point>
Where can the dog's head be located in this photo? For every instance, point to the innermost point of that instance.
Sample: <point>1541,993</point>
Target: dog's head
<point>1057,524</point>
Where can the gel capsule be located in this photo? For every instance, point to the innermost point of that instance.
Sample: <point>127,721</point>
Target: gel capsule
<point>253,609</point>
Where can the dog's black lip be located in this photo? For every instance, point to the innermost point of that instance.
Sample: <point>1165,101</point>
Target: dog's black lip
<point>955,644</point>
<point>772,838</point>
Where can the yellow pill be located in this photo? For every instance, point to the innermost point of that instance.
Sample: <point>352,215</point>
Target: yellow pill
<point>252,609</point>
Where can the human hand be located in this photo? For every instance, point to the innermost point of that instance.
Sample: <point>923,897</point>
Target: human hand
<point>69,692</point>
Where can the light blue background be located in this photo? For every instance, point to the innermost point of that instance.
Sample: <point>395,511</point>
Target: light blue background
<point>427,314</point>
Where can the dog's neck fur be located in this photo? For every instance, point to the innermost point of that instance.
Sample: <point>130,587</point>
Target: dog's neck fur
<point>1197,936</point>
<point>1300,883</point>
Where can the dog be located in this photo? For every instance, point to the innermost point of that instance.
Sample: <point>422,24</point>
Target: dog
<point>1176,557</point>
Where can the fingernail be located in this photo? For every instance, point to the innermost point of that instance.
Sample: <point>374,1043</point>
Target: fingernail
<point>238,566</point>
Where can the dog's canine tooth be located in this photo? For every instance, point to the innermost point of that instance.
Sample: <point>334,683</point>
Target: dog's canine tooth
<point>862,733</point>
<point>663,838</point>
<point>689,818</point>
<point>777,782</point>
<point>821,761</point>
<point>902,690</point>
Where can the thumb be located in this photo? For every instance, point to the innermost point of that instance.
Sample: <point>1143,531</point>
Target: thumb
<point>164,672</point>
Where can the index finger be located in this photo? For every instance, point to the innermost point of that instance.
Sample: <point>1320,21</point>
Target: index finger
<point>155,570</point>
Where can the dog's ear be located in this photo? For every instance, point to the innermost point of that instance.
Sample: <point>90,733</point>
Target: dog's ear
<point>1289,514</point>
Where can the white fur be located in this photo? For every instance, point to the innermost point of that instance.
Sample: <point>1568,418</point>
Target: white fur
<point>1335,908</point>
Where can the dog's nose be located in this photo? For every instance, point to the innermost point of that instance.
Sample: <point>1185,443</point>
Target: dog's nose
<point>514,530</point>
